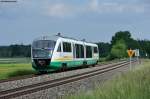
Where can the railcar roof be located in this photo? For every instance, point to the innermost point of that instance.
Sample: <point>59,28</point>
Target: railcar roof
<point>71,39</point>
<point>56,37</point>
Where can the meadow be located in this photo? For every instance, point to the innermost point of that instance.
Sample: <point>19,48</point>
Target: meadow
<point>134,84</point>
<point>11,67</point>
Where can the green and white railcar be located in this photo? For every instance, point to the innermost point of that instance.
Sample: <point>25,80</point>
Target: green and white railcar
<point>57,52</point>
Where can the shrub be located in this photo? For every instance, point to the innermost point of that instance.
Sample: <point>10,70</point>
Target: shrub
<point>118,50</point>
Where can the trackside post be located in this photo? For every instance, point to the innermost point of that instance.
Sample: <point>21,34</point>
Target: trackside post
<point>130,54</point>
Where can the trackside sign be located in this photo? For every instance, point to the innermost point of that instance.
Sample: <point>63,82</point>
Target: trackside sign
<point>130,52</point>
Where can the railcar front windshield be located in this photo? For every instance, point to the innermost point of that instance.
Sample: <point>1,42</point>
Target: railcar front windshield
<point>43,48</point>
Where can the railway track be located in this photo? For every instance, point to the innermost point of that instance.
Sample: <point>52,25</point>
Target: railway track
<point>36,75</point>
<point>12,93</point>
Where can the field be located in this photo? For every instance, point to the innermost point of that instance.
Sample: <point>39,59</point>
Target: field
<point>132,85</point>
<point>10,67</point>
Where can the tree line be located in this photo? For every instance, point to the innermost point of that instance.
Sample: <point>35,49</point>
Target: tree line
<point>120,43</point>
<point>117,48</point>
<point>15,51</point>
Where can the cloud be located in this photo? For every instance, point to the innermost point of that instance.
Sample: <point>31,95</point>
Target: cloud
<point>62,9</point>
<point>94,5</point>
<point>115,7</point>
<point>59,10</point>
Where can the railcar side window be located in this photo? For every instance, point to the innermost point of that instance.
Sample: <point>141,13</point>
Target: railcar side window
<point>88,52</point>
<point>95,50</point>
<point>79,51</point>
<point>66,47</point>
<point>59,48</point>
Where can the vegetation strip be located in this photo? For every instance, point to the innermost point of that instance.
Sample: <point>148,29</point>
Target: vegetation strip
<point>134,84</point>
<point>27,91</point>
<point>9,69</point>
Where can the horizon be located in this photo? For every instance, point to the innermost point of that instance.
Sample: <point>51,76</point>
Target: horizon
<point>74,38</point>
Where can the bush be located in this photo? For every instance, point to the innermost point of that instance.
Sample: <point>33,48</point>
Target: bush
<point>118,50</point>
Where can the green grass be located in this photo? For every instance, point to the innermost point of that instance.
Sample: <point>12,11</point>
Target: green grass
<point>103,60</point>
<point>132,85</point>
<point>15,67</point>
<point>14,60</point>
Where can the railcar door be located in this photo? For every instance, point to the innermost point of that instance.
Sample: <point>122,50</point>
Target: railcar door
<point>67,54</point>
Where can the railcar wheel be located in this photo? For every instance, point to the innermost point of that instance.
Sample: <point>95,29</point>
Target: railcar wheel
<point>43,72</point>
<point>96,63</point>
<point>93,65</point>
<point>84,63</point>
<point>64,67</point>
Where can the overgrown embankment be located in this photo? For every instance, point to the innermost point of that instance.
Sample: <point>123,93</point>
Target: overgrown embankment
<point>132,85</point>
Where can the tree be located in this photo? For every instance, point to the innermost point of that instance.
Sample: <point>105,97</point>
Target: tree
<point>119,50</point>
<point>144,48</point>
<point>15,51</point>
<point>104,49</point>
<point>124,35</point>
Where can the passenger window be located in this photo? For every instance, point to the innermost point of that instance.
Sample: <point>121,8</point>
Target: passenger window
<point>88,52</point>
<point>66,47</point>
<point>95,50</point>
<point>59,48</point>
<point>79,51</point>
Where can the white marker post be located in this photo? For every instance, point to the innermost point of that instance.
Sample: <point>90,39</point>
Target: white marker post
<point>137,54</point>
<point>130,63</point>
<point>146,55</point>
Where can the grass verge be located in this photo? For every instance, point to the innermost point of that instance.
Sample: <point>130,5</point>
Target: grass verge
<point>12,70</point>
<point>132,85</point>
<point>20,73</point>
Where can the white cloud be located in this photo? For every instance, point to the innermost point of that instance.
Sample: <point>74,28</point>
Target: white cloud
<point>59,10</point>
<point>93,5</point>
<point>62,10</point>
<point>113,7</point>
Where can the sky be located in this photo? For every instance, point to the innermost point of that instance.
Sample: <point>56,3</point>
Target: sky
<point>93,20</point>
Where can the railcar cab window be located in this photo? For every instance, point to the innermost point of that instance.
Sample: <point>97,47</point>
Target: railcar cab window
<point>59,48</point>
<point>43,48</point>
<point>95,50</point>
<point>88,52</point>
<point>66,47</point>
<point>44,44</point>
<point>79,51</point>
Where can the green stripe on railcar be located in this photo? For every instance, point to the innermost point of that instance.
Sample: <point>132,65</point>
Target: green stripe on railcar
<point>54,65</point>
